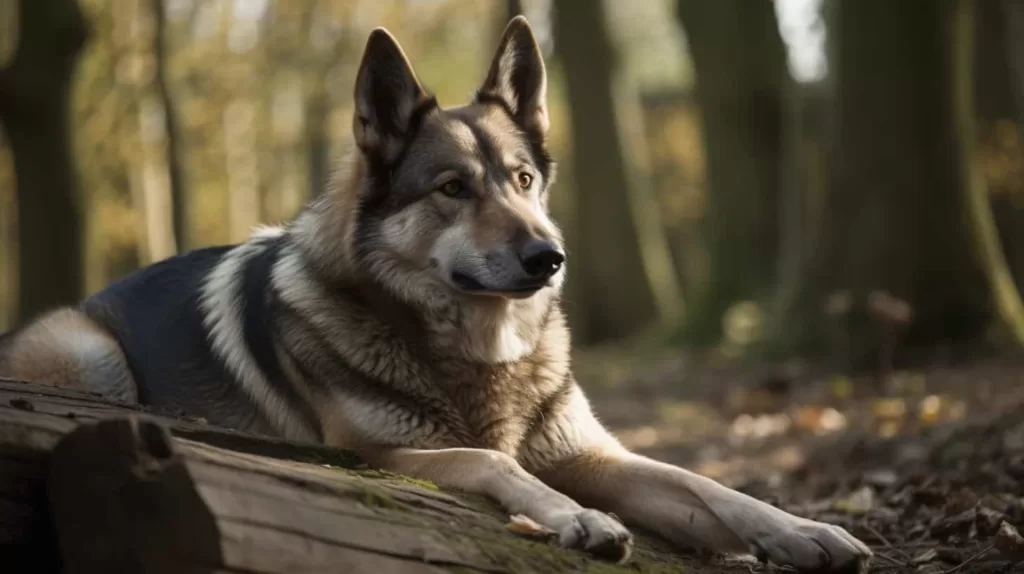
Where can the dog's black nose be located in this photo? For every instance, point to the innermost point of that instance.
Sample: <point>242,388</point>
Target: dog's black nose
<point>540,259</point>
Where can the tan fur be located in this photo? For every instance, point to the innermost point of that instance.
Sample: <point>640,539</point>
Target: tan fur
<point>488,401</point>
<point>421,374</point>
<point>65,348</point>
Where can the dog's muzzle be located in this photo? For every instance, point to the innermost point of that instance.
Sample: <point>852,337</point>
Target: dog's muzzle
<point>538,260</point>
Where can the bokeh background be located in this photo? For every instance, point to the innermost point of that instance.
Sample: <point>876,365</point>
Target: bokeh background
<point>775,209</point>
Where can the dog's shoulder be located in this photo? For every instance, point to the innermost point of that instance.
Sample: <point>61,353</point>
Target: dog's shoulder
<point>155,314</point>
<point>146,300</point>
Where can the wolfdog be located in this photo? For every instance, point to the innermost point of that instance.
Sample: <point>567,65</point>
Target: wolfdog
<point>412,313</point>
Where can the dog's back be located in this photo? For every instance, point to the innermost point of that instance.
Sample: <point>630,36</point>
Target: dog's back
<point>141,339</point>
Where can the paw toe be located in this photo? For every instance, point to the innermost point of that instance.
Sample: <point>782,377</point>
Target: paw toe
<point>817,547</point>
<point>599,534</point>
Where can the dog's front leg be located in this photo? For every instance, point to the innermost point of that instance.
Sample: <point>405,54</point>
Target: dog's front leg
<point>500,477</point>
<point>696,511</point>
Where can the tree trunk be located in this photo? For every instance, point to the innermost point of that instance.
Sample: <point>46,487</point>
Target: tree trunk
<point>611,292</point>
<point>512,8</point>
<point>317,137</point>
<point>8,237</point>
<point>896,216</point>
<point>1006,300</point>
<point>172,132</point>
<point>1011,14</point>
<point>740,65</point>
<point>103,487</point>
<point>35,112</point>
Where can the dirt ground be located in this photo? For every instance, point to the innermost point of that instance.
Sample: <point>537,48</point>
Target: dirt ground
<point>926,466</point>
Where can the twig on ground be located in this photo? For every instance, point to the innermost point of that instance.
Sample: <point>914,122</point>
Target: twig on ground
<point>894,561</point>
<point>885,541</point>
<point>983,552</point>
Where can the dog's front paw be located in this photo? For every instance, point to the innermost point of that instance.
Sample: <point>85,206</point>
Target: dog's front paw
<point>596,533</point>
<point>813,547</point>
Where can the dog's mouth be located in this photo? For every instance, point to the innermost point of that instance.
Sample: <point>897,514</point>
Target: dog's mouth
<point>519,290</point>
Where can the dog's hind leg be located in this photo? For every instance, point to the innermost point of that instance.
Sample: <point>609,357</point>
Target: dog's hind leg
<point>65,348</point>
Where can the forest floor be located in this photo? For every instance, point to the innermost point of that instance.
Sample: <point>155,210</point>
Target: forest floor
<point>925,467</point>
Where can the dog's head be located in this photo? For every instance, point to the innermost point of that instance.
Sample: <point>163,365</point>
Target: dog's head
<point>456,199</point>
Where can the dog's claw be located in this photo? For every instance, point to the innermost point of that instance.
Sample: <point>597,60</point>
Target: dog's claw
<point>810,546</point>
<point>599,534</point>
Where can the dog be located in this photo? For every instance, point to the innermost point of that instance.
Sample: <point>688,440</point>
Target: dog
<point>412,313</point>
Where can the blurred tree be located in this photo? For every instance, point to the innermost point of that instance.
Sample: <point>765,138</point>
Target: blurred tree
<point>1006,298</point>
<point>34,110</point>
<point>172,132</point>
<point>740,65</point>
<point>324,53</point>
<point>992,54</point>
<point>512,9</point>
<point>896,214</point>
<point>106,127</point>
<point>1010,53</point>
<point>623,279</point>
<point>1013,15</point>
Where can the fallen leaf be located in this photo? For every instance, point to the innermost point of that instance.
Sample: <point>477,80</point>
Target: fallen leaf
<point>525,526</point>
<point>998,503</point>
<point>859,502</point>
<point>989,520</point>
<point>960,501</point>
<point>1009,542</point>
<point>961,524</point>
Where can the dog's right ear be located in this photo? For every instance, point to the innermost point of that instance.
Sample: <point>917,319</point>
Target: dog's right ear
<point>517,78</point>
<point>388,98</point>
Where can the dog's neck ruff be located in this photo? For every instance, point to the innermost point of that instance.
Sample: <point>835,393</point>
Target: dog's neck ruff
<point>492,332</point>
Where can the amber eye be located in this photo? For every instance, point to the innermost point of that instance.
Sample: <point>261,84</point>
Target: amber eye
<point>525,180</point>
<point>453,189</point>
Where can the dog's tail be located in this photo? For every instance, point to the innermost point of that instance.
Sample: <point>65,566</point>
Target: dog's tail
<point>65,348</point>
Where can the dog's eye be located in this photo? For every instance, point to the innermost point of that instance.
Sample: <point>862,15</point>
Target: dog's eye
<point>453,188</point>
<point>525,180</point>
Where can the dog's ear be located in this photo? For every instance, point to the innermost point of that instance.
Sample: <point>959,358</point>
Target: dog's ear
<point>518,79</point>
<point>388,98</point>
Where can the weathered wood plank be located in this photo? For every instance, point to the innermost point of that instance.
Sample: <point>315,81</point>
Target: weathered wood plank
<point>178,505</point>
<point>135,491</point>
<point>83,406</point>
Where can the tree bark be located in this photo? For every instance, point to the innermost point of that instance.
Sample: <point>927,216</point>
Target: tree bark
<point>895,214</point>
<point>35,112</point>
<point>740,65</point>
<point>172,132</point>
<point>611,292</point>
<point>104,487</point>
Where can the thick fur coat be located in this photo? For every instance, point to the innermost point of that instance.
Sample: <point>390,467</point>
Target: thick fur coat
<point>412,313</point>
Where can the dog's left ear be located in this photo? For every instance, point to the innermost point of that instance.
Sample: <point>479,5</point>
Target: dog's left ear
<point>518,79</point>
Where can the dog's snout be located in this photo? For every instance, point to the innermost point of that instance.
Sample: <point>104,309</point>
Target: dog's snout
<point>540,259</point>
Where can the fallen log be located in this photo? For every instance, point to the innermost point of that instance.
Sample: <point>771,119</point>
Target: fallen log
<point>96,486</point>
